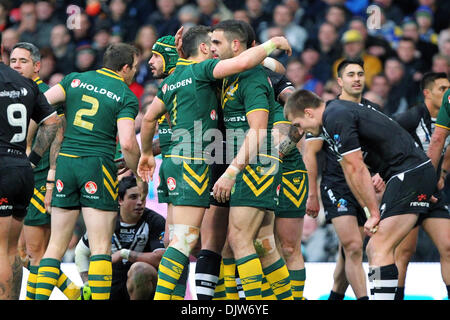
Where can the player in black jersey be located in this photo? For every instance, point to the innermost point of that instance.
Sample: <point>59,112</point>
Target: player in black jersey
<point>388,149</point>
<point>340,206</point>
<point>20,101</point>
<point>137,246</point>
<point>420,121</point>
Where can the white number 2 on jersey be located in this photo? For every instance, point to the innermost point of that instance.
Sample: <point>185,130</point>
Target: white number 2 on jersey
<point>21,121</point>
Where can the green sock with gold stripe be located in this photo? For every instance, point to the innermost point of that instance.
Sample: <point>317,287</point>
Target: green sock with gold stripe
<point>278,276</point>
<point>100,276</point>
<point>47,278</point>
<point>70,289</point>
<point>229,277</point>
<point>298,278</point>
<point>31,282</point>
<point>170,269</point>
<point>251,273</point>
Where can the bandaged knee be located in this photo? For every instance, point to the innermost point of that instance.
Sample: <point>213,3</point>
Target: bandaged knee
<point>184,238</point>
<point>265,245</point>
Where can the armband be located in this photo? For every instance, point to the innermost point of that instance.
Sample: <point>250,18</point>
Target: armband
<point>269,46</point>
<point>34,158</point>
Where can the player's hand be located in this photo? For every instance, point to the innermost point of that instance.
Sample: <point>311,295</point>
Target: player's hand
<point>146,167</point>
<point>121,166</point>
<point>222,188</point>
<point>378,183</point>
<point>115,257</point>
<point>312,206</point>
<point>371,225</point>
<point>179,42</point>
<point>282,44</point>
<point>48,198</point>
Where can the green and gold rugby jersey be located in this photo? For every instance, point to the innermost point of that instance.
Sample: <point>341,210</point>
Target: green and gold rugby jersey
<point>242,94</point>
<point>190,98</point>
<point>443,119</point>
<point>165,134</point>
<point>44,164</point>
<point>95,101</point>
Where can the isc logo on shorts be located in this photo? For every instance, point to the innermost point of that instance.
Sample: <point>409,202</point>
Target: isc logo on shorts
<point>171,183</point>
<point>59,185</point>
<point>90,187</point>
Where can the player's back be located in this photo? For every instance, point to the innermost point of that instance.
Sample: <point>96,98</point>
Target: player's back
<point>20,100</point>
<point>95,100</point>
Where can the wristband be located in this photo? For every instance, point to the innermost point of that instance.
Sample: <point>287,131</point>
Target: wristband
<point>51,181</point>
<point>269,63</point>
<point>34,158</point>
<point>125,253</point>
<point>269,46</point>
<point>286,146</point>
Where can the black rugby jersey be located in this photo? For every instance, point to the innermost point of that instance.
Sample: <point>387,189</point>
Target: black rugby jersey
<point>20,100</point>
<point>145,236</point>
<point>332,173</point>
<point>347,126</point>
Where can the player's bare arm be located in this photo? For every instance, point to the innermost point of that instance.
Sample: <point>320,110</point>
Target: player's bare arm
<point>250,58</point>
<point>146,166</point>
<point>312,148</point>
<point>360,182</point>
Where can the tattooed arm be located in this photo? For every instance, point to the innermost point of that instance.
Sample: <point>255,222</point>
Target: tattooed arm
<point>54,151</point>
<point>45,135</point>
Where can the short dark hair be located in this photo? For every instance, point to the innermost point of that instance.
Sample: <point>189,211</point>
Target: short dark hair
<point>35,54</point>
<point>118,55</point>
<point>193,38</point>
<point>408,39</point>
<point>429,78</point>
<point>347,62</point>
<point>234,29</point>
<point>125,184</point>
<point>301,99</point>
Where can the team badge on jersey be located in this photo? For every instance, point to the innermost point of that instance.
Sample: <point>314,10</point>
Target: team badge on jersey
<point>171,183</point>
<point>278,189</point>
<point>75,83</point>
<point>342,205</point>
<point>213,114</point>
<point>164,88</point>
<point>59,185</point>
<point>90,187</point>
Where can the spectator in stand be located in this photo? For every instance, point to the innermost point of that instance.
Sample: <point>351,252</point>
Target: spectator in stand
<point>410,29</point>
<point>300,77</point>
<point>388,30</point>
<point>145,39</point>
<point>189,14</point>
<point>424,18</point>
<point>46,18</point>
<point>401,95</point>
<point>5,7</point>
<point>312,62</point>
<point>119,20</point>
<point>101,40</point>
<point>297,11</point>
<point>337,15</point>
<point>165,17</point>
<point>63,49</point>
<point>241,15</point>
<point>9,38</point>
<point>441,63</point>
<point>48,64</point>
<point>329,49</point>
<point>414,66</point>
<point>380,88</point>
<point>82,34</point>
<point>85,58</point>
<point>283,18</point>
<point>391,10</point>
<point>440,11</point>
<point>375,46</point>
<point>259,18</point>
<point>213,11</point>
<point>28,27</point>
<point>354,48</point>
<point>443,38</point>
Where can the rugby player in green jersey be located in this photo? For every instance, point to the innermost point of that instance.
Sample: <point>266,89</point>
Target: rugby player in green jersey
<point>189,97</point>
<point>25,59</point>
<point>99,106</point>
<point>253,176</point>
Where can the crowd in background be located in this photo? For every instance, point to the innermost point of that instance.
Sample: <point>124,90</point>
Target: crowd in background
<point>399,42</point>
